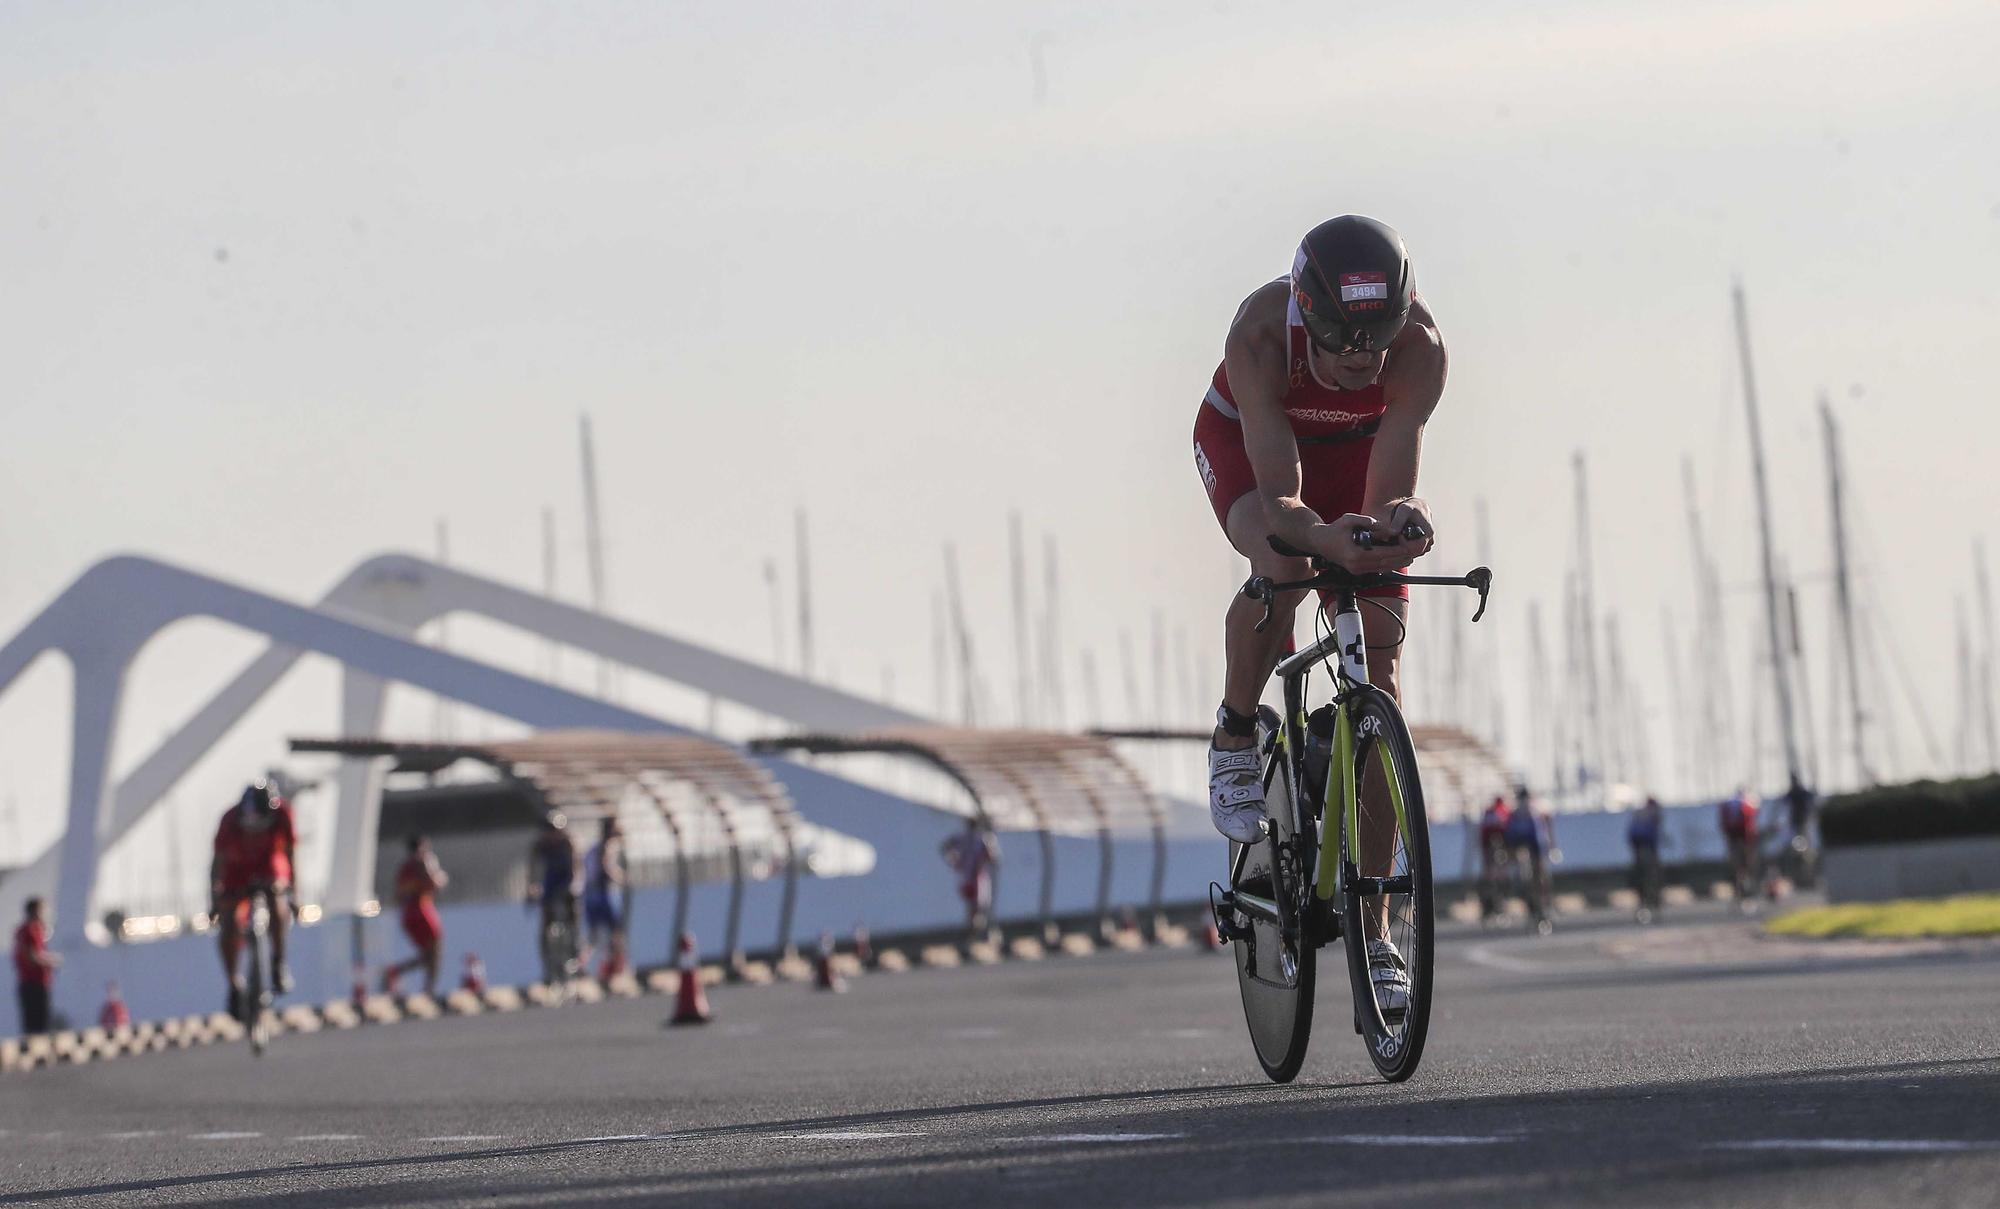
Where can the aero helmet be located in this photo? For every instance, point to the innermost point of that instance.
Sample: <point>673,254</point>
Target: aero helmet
<point>1352,284</point>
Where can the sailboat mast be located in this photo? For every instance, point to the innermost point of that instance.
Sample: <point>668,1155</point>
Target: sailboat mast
<point>1779,681</point>
<point>1986,663</point>
<point>1018,572</point>
<point>594,546</point>
<point>955,603</point>
<point>1843,588</point>
<point>1586,631</point>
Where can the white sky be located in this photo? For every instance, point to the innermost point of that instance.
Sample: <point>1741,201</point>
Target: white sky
<point>280,287</point>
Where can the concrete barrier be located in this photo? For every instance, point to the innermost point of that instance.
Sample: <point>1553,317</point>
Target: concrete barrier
<point>1869,873</point>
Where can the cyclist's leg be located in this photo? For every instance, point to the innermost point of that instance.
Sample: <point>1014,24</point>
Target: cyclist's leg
<point>279,896</point>
<point>229,933</point>
<point>1251,656</point>
<point>1382,619</point>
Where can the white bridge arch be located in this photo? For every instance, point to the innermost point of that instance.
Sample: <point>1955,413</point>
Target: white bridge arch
<point>367,622</point>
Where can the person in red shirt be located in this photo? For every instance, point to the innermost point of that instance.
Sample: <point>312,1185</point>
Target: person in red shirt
<point>418,880</point>
<point>255,846</point>
<point>34,969</point>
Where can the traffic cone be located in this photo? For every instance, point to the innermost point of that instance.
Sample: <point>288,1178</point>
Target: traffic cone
<point>863,951</point>
<point>114,1016</point>
<point>825,977</point>
<point>475,975</point>
<point>691,1002</point>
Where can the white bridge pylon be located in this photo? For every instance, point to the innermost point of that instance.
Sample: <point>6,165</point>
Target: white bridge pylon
<point>366,622</point>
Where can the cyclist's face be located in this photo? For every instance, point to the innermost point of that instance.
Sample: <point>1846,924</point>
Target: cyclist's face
<point>1350,370</point>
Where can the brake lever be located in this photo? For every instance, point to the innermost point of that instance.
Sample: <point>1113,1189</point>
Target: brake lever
<point>1481,579</point>
<point>1258,587</point>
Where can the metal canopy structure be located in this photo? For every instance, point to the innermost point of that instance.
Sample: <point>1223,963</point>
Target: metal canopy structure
<point>1024,780</point>
<point>587,773</point>
<point>1461,771</point>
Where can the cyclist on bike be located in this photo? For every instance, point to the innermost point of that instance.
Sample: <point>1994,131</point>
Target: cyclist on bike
<point>1737,819</point>
<point>1492,853</point>
<point>256,845</point>
<point>553,871</point>
<point>1311,432</point>
<point>604,895</point>
<point>1643,834</point>
<point>1531,838</point>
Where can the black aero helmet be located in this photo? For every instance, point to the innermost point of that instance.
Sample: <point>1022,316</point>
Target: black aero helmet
<point>1352,284</point>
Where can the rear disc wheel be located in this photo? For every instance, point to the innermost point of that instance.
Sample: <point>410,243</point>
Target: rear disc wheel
<point>1275,975</point>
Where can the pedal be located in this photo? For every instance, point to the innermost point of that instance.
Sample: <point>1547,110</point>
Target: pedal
<point>1222,907</point>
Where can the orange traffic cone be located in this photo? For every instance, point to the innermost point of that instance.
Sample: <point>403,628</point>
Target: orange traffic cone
<point>691,1002</point>
<point>114,1016</point>
<point>475,975</point>
<point>825,977</point>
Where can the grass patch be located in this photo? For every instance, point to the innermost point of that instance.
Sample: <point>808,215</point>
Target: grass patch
<point>1964,915</point>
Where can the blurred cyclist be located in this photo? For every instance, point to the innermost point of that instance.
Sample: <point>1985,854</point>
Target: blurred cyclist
<point>1531,838</point>
<point>418,880</point>
<point>604,895</point>
<point>1492,854</point>
<point>255,845</point>
<point>1737,819</point>
<point>553,874</point>
<point>1643,834</point>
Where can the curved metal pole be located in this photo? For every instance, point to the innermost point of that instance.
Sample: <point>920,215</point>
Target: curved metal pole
<point>790,900</point>
<point>1050,933</point>
<point>680,886</point>
<point>1157,907</point>
<point>732,951</point>
<point>1104,925</point>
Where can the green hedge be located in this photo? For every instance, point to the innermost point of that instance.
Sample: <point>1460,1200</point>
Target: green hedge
<point>1922,810</point>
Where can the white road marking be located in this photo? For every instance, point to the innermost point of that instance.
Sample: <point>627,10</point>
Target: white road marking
<point>847,1135</point>
<point>325,1137</point>
<point>467,1137</point>
<point>1411,1139</point>
<point>1182,1032</point>
<point>135,1133</point>
<point>225,1135</point>
<point>1096,1137</point>
<point>1857,1145</point>
<point>1484,955</point>
<point>619,1137</point>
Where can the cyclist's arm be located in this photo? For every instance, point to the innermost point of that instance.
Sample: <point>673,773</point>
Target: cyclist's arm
<point>1411,387</point>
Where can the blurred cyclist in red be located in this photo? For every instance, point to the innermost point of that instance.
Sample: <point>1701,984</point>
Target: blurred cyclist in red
<point>255,845</point>
<point>417,882</point>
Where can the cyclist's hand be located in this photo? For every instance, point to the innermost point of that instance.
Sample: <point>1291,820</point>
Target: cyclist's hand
<point>1405,514</point>
<point>1334,542</point>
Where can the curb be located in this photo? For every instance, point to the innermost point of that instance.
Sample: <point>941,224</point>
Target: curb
<point>75,1047</point>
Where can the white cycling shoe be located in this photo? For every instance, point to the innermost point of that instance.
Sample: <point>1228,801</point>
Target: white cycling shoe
<point>1391,978</point>
<point>1236,794</point>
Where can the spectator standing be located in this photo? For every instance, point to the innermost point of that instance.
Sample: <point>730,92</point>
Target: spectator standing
<point>34,969</point>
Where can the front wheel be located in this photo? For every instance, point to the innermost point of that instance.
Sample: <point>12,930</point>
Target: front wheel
<point>1387,884</point>
<point>1274,972</point>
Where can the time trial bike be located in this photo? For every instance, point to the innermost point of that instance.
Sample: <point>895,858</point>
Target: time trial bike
<point>1347,852</point>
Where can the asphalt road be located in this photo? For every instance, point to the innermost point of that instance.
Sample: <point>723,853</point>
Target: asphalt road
<point>1684,1064</point>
